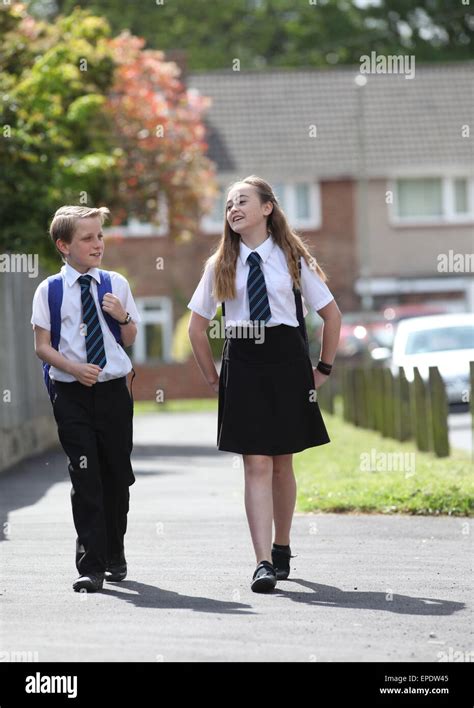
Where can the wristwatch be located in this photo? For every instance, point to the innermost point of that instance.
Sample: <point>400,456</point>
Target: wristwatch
<point>127,319</point>
<point>324,368</point>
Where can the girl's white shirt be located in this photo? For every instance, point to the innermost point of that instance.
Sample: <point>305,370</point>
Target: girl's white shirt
<point>279,285</point>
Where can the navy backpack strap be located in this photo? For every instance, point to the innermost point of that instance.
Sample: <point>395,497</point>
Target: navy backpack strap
<point>55,299</point>
<point>105,286</point>
<point>299,310</point>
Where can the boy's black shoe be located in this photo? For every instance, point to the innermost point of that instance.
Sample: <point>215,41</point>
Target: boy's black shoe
<point>91,582</point>
<point>281,561</point>
<point>116,569</point>
<point>264,578</point>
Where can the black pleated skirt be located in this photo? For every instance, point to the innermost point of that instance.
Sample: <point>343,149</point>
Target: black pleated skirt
<point>267,400</point>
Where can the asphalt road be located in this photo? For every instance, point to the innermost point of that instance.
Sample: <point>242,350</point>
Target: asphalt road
<point>362,587</point>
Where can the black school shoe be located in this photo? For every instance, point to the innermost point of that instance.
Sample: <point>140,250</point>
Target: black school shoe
<point>89,582</point>
<point>281,561</point>
<point>116,569</point>
<point>264,578</point>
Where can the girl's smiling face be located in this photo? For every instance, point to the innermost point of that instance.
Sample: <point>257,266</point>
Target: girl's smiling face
<point>244,211</point>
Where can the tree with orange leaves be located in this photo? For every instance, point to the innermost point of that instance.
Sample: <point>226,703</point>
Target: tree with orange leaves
<point>158,126</point>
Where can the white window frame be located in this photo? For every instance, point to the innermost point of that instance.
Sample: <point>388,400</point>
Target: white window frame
<point>209,226</point>
<point>448,216</point>
<point>163,315</point>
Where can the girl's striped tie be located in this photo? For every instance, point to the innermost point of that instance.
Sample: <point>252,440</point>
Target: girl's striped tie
<point>257,291</point>
<point>94,338</point>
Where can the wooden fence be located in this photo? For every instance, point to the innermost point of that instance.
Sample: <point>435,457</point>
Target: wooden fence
<point>375,399</point>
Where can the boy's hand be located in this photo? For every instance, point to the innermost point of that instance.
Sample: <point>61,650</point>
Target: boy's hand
<point>112,305</point>
<point>86,374</point>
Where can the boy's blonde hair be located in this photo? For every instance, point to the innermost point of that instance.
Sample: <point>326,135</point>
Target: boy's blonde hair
<point>66,217</point>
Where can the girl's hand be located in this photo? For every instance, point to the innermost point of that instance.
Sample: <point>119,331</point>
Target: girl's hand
<point>319,378</point>
<point>112,305</point>
<point>215,386</point>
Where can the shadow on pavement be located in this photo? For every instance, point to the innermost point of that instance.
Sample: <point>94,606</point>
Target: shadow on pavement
<point>28,481</point>
<point>330,596</point>
<point>151,596</point>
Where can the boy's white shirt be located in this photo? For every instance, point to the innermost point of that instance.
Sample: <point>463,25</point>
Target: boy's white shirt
<point>72,344</point>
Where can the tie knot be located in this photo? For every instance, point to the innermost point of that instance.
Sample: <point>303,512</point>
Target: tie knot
<point>85,280</point>
<point>254,259</point>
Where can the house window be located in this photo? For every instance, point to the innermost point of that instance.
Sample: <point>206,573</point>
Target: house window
<point>300,202</point>
<point>302,206</point>
<point>419,197</point>
<point>433,200</point>
<point>461,196</point>
<point>155,332</point>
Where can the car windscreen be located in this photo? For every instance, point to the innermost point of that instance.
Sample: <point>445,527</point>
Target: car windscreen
<point>440,339</point>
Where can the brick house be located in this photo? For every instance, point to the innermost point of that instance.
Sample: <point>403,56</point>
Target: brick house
<point>376,176</point>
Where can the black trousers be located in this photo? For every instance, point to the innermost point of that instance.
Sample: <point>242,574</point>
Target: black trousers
<point>95,427</point>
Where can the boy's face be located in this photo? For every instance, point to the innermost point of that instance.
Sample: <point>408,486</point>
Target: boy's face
<point>87,245</point>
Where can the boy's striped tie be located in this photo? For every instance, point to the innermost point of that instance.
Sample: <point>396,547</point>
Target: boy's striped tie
<point>257,291</point>
<point>94,338</point>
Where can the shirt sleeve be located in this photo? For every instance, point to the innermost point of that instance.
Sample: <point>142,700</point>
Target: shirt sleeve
<point>315,292</point>
<point>203,301</point>
<point>40,309</point>
<point>121,289</point>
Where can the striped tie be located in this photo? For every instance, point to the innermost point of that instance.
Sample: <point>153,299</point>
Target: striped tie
<point>257,290</point>
<point>94,339</point>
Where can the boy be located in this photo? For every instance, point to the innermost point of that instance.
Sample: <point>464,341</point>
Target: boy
<point>92,405</point>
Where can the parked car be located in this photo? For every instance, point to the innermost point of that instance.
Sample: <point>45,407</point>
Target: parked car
<point>381,332</point>
<point>445,341</point>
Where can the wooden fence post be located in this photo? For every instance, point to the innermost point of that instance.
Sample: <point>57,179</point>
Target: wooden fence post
<point>388,408</point>
<point>439,413</point>
<point>420,412</point>
<point>378,399</point>
<point>401,402</point>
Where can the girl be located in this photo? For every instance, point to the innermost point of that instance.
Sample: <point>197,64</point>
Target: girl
<point>266,388</point>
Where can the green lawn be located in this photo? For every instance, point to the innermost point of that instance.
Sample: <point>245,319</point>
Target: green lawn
<point>191,405</point>
<point>330,477</point>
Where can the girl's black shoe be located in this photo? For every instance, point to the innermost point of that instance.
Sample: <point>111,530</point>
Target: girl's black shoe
<point>264,578</point>
<point>281,561</point>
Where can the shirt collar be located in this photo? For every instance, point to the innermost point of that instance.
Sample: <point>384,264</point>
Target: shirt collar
<point>73,275</point>
<point>263,250</point>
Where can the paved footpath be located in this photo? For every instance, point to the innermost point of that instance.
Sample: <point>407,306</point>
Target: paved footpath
<point>362,588</point>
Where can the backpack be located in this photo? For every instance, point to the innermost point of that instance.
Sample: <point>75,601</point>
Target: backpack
<point>299,312</point>
<point>55,298</point>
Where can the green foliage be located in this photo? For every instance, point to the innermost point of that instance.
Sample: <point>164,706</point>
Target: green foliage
<point>79,115</point>
<point>284,33</point>
<point>54,147</point>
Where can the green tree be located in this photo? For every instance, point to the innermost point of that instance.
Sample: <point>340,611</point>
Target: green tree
<point>54,147</point>
<point>80,116</point>
<point>286,33</point>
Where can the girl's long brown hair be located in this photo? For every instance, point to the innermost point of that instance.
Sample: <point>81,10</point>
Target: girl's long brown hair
<point>225,256</point>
